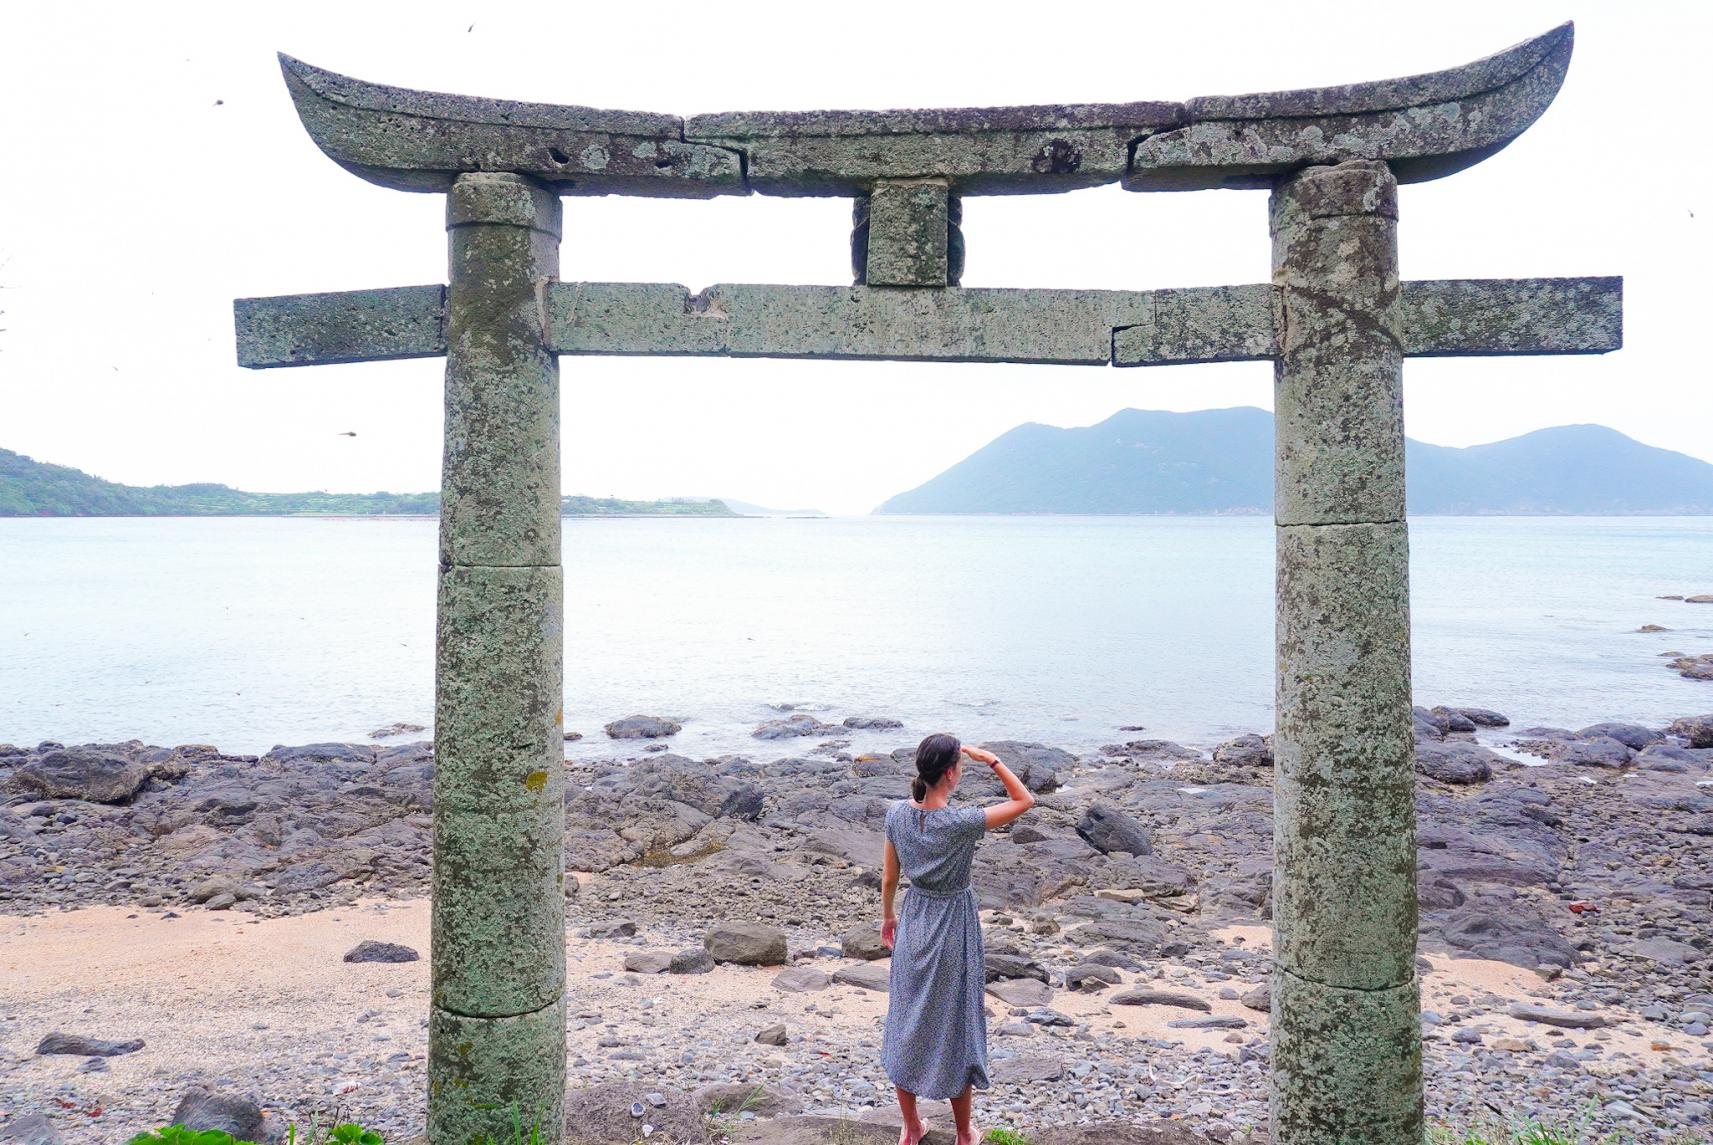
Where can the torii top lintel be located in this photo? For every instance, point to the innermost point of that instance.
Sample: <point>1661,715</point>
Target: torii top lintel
<point>1423,126</point>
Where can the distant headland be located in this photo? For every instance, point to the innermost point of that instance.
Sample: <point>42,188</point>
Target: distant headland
<point>30,488</point>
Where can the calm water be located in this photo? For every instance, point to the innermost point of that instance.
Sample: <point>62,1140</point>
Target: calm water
<point>246,633</point>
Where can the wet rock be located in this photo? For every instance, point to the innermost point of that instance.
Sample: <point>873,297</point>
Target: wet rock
<point>393,730</point>
<point>1633,736</point>
<point>1036,764</point>
<point>82,773</point>
<point>1456,763</point>
<point>1485,717</point>
<point>643,727</point>
<point>80,1046</point>
<point>1697,730</point>
<point>1245,751</point>
<point>745,943</point>
<point>1429,724</point>
<point>320,753</point>
<point>1109,830</point>
<point>369,950</point>
<point>797,724</point>
<point>1454,720</point>
<point>872,723</point>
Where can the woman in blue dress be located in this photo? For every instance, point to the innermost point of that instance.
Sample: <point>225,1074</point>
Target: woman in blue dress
<point>935,1044</point>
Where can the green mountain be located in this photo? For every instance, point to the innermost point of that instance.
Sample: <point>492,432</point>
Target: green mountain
<point>30,488</point>
<point>1221,461</point>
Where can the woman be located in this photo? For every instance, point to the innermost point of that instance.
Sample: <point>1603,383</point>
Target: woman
<point>935,1045</point>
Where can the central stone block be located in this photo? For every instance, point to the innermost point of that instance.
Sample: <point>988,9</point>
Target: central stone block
<point>909,229</point>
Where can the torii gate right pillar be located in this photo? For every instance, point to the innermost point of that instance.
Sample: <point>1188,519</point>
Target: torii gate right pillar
<point>1346,1039</point>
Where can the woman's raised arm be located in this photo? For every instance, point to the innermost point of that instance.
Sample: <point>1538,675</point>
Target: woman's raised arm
<point>1019,798</point>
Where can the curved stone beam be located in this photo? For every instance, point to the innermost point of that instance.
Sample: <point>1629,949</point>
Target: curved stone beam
<point>421,140</point>
<point>979,150</point>
<point>1423,126</point>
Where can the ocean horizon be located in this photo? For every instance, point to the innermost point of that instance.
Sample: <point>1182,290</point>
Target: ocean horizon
<point>245,632</point>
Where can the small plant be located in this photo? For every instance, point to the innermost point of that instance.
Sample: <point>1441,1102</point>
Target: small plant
<point>345,1133</point>
<point>1531,1131</point>
<point>1005,1137</point>
<point>179,1135</point>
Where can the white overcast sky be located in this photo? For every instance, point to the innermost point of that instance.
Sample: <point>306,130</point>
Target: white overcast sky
<point>155,169</point>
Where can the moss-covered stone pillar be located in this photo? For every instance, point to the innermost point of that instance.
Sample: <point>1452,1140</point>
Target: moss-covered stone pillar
<point>497,1027</point>
<point>1346,1039</point>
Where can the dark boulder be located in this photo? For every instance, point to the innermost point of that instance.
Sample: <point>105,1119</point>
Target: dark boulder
<point>1245,751</point>
<point>1698,730</point>
<point>1633,736</point>
<point>872,723</point>
<point>87,773</point>
<point>1109,830</point>
<point>799,724</point>
<point>233,1113</point>
<point>370,950</point>
<point>79,1046</point>
<point>1456,763</point>
<point>643,727</point>
<point>321,753</point>
<point>1455,720</point>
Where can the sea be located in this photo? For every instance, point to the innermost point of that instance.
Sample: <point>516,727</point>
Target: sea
<point>250,632</point>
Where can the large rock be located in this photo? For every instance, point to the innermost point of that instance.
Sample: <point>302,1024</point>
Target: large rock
<point>32,1129</point>
<point>234,1113</point>
<point>867,975</point>
<point>1698,730</point>
<point>643,727</point>
<point>370,950</point>
<point>80,1046</point>
<point>863,942</point>
<point>1175,998</point>
<point>1457,763</point>
<point>321,753</point>
<point>745,943</point>
<point>1004,964</point>
<point>1633,736</point>
<point>1245,751</point>
<point>1023,992</point>
<point>800,980</point>
<point>1484,717</point>
<point>1109,830</point>
<point>82,773</point>
<point>797,724</point>
<point>872,723</point>
<point>1036,764</point>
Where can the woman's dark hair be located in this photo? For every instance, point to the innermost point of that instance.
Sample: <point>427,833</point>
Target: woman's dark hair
<point>935,756</point>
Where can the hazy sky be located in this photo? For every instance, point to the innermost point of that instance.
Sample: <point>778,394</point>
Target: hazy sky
<point>156,169</point>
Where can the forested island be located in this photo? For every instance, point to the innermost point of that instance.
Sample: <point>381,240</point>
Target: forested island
<point>30,488</point>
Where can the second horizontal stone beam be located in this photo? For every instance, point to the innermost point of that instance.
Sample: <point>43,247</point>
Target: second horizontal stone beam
<point>1066,327</point>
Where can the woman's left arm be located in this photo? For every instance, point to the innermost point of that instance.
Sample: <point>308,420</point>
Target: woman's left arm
<point>888,888</point>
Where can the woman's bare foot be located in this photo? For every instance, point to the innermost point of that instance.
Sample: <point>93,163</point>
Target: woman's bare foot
<point>970,1139</point>
<point>912,1135</point>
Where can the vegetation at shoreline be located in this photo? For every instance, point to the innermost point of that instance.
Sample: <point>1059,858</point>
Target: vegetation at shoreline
<point>30,488</point>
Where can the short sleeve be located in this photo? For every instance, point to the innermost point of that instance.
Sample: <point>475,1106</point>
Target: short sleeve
<point>972,822</point>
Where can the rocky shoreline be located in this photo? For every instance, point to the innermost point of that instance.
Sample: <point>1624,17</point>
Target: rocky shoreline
<point>1576,862</point>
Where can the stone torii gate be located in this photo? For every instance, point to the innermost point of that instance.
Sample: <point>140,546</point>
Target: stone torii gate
<point>1335,321</point>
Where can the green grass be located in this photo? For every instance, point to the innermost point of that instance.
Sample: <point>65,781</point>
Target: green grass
<point>1005,1137</point>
